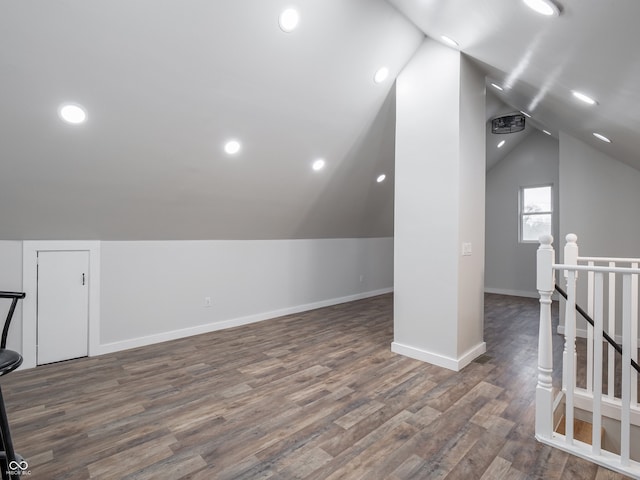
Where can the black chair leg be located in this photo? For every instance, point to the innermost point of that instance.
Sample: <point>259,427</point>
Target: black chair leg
<point>9,453</point>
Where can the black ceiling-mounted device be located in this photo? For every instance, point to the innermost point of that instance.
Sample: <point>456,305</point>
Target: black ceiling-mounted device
<point>508,123</point>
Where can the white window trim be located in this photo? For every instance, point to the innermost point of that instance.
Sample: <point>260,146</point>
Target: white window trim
<point>521,208</point>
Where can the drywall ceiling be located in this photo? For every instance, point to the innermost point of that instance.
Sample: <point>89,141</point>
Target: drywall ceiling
<point>496,150</point>
<point>165,84</point>
<point>591,47</point>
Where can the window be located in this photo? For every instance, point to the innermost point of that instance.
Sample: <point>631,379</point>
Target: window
<point>536,210</point>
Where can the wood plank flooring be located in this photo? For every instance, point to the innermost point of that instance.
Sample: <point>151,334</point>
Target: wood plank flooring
<point>315,396</point>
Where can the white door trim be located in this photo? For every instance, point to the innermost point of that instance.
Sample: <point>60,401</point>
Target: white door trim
<point>30,251</point>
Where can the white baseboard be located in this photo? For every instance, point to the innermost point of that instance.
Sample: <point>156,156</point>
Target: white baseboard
<point>513,293</point>
<point>437,359</point>
<point>519,293</point>
<point>471,354</point>
<point>234,322</point>
<point>582,333</point>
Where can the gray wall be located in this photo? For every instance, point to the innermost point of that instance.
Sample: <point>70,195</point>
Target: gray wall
<point>11,280</point>
<point>152,291</point>
<point>600,201</point>
<point>158,287</point>
<point>510,267</point>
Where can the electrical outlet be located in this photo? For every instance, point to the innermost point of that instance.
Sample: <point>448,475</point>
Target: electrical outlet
<point>207,301</point>
<point>466,249</point>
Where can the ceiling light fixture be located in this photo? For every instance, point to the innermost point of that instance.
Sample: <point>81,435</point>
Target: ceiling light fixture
<point>584,98</point>
<point>381,178</point>
<point>502,143</point>
<point>543,7</point>
<point>72,113</point>
<point>497,87</point>
<point>546,131</point>
<point>381,75</point>
<point>449,41</point>
<point>232,147</point>
<point>318,164</point>
<point>599,136</point>
<point>525,114</point>
<point>288,20</point>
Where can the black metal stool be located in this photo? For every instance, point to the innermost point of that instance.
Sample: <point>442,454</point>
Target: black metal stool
<point>11,463</point>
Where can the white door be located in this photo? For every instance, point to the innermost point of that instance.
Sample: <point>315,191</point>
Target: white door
<point>63,305</point>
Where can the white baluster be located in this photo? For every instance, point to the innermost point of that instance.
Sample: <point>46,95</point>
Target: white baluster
<point>611,316</point>
<point>569,367</point>
<point>625,417</point>
<point>544,390</point>
<point>590,305</point>
<point>597,356</point>
<point>570,258</point>
<point>634,333</point>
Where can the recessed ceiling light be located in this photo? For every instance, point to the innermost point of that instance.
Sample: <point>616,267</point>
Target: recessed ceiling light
<point>584,98</point>
<point>381,178</point>
<point>543,7</point>
<point>449,41</point>
<point>232,147</point>
<point>501,143</point>
<point>72,113</point>
<point>288,20</point>
<point>318,164</point>
<point>381,75</point>
<point>497,87</point>
<point>546,131</point>
<point>599,136</point>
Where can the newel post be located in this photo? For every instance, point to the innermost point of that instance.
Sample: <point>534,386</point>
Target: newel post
<point>544,390</point>
<point>569,364</point>
<point>570,252</point>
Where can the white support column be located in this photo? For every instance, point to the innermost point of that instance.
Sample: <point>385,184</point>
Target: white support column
<point>544,389</point>
<point>439,208</point>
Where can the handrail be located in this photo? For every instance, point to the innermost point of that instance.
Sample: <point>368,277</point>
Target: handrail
<point>596,268</point>
<point>5,331</point>
<point>12,294</point>
<point>606,336</point>
<point>609,259</point>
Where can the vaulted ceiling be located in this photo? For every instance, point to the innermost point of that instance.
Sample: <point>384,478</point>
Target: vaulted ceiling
<point>591,47</point>
<point>166,83</point>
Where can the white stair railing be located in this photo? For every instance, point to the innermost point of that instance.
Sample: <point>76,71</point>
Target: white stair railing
<point>611,317</point>
<point>603,406</point>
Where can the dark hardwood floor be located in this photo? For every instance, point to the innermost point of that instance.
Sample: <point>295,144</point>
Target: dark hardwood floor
<point>316,396</point>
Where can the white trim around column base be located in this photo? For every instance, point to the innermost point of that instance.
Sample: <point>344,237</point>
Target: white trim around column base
<point>440,360</point>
